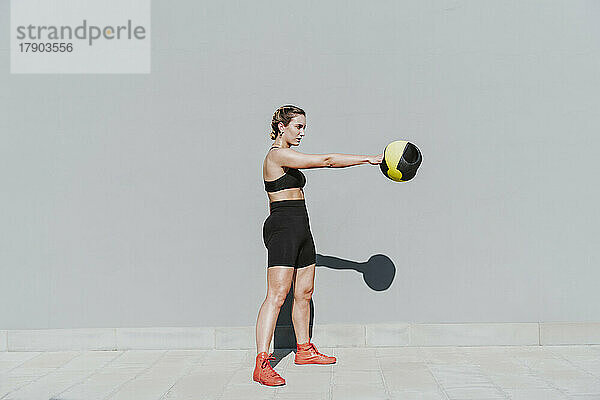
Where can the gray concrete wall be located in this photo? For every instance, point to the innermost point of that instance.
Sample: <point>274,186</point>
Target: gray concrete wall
<point>137,200</point>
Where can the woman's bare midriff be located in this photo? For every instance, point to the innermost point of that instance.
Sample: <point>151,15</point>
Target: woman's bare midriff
<point>286,194</point>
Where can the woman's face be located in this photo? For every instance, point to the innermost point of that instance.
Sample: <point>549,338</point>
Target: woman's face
<point>294,132</point>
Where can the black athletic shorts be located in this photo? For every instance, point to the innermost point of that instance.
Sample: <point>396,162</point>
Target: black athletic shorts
<point>286,233</point>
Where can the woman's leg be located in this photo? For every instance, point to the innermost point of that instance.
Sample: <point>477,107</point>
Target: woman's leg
<point>306,352</point>
<point>279,280</point>
<point>303,290</point>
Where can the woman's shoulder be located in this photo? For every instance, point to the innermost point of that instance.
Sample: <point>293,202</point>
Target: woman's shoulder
<point>272,166</point>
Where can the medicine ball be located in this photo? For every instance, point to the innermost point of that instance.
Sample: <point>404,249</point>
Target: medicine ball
<point>401,160</point>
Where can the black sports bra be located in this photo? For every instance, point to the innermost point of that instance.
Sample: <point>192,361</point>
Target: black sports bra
<point>291,179</point>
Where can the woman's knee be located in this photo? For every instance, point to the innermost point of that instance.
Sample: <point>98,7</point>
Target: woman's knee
<point>279,281</point>
<point>277,296</point>
<point>304,293</point>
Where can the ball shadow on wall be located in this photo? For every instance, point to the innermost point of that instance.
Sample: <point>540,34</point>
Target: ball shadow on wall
<point>378,272</point>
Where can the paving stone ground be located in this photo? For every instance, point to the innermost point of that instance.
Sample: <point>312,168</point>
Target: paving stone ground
<point>428,373</point>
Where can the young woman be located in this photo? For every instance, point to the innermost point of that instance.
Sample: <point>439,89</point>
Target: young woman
<point>287,236</point>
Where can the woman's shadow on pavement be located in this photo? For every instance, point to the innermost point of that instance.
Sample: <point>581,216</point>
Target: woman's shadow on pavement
<point>378,273</point>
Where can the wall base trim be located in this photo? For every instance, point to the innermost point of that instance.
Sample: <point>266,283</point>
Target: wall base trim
<point>340,335</point>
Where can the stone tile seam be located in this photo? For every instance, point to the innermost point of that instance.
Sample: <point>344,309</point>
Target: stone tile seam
<point>576,366</point>
<point>543,378</point>
<point>24,361</point>
<point>439,385</point>
<point>385,385</point>
<point>41,376</point>
<point>228,382</point>
<point>183,375</point>
<point>90,374</point>
<point>498,387</point>
<point>122,385</point>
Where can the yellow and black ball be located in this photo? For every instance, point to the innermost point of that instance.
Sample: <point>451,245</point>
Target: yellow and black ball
<point>401,159</point>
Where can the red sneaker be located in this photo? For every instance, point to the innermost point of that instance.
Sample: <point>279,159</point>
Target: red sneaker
<point>264,373</point>
<point>307,354</point>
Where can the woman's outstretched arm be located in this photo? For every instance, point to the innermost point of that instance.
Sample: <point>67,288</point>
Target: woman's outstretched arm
<point>293,159</point>
<point>337,160</point>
